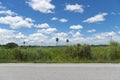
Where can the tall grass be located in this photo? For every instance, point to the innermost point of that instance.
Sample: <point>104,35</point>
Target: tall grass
<point>100,53</point>
<point>114,50</point>
<point>76,53</point>
<point>80,51</point>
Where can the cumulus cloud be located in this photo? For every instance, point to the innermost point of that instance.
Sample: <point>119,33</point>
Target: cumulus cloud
<point>77,35</point>
<point>104,35</point>
<point>10,36</point>
<point>36,37</point>
<point>91,31</point>
<point>63,20</point>
<point>44,6</point>
<point>20,36</point>
<point>44,25</point>
<point>47,31</point>
<point>39,38</point>
<point>76,27</point>
<point>76,8</point>
<point>6,31</point>
<point>60,35</point>
<point>16,21</point>
<point>97,18</point>
<point>13,20</point>
<point>7,12</point>
<point>54,18</point>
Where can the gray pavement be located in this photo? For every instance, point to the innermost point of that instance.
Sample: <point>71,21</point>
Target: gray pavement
<point>59,71</point>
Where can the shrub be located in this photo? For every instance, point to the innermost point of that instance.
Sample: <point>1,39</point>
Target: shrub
<point>11,45</point>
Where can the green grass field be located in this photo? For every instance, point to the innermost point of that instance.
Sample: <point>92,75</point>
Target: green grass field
<point>64,54</point>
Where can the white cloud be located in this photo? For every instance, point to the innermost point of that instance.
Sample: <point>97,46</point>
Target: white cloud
<point>100,38</point>
<point>104,35</point>
<point>77,35</point>
<point>44,6</point>
<point>7,12</point>
<point>6,31</point>
<point>16,21</point>
<point>75,8</point>
<point>10,36</point>
<point>20,36</point>
<point>39,38</point>
<point>54,19</point>
<point>47,31</point>
<point>97,18</point>
<point>36,37</point>
<point>44,25</point>
<point>17,37</point>
<point>63,20</point>
<point>76,27</point>
<point>13,20</point>
<point>91,31</point>
<point>60,35</point>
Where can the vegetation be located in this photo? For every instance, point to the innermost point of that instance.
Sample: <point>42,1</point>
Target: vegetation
<point>61,54</point>
<point>57,39</point>
<point>11,45</point>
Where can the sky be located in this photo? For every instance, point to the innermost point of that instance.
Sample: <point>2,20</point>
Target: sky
<point>40,22</point>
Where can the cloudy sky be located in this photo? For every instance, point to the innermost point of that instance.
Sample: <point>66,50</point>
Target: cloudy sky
<point>40,22</point>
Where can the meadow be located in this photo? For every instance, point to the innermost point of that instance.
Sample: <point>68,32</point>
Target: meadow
<point>62,54</point>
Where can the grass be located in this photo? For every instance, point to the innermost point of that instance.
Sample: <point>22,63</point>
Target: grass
<point>65,54</point>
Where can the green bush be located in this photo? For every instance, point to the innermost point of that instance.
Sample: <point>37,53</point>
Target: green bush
<point>11,45</point>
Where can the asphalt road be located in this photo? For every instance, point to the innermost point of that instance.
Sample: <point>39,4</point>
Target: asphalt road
<point>59,71</point>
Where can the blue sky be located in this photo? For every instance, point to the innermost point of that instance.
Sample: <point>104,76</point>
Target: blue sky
<point>40,22</point>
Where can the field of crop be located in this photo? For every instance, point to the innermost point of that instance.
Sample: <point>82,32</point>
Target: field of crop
<point>64,54</point>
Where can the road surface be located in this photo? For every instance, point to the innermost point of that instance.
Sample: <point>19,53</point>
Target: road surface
<point>59,71</point>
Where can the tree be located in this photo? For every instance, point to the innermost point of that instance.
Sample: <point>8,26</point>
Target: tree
<point>24,43</point>
<point>67,40</point>
<point>57,39</point>
<point>11,45</point>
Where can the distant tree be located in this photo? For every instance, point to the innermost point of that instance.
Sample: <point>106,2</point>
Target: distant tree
<point>57,39</point>
<point>24,43</point>
<point>11,45</point>
<point>67,40</point>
